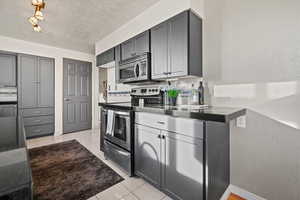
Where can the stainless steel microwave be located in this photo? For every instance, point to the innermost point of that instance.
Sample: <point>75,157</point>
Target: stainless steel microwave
<point>135,69</point>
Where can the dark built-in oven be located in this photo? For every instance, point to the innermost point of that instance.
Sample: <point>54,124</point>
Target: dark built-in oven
<point>117,126</point>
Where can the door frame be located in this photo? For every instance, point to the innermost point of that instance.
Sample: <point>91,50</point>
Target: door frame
<point>90,65</point>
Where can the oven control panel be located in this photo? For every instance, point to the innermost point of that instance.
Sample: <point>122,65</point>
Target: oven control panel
<point>145,91</point>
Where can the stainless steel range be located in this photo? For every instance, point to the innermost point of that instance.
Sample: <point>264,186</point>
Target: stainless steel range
<point>117,126</point>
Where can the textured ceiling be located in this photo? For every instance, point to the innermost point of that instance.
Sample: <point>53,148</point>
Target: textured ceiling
<point>70,24</point>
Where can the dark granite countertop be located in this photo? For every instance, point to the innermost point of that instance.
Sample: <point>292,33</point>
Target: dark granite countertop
<point>209,113</point>
<point>15,171</point>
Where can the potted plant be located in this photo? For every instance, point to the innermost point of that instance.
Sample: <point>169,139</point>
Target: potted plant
<point>173,94</point>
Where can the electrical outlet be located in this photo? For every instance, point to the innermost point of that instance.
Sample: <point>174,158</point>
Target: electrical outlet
<point>241,122</point>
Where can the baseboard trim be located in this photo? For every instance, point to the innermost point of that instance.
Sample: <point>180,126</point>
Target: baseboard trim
<point>240,192</point>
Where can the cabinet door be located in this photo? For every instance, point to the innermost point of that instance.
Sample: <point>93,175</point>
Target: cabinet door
<point>159,50</point>
<point>99,60</point>
<point>27,69</point>
<point>8,70</point>
<point>148,153</point>
<point>117,60</point>
<point>45,82</point>
<point>182,166</point>
<point>142,43</point>
<point>178,45</point>
<point>110,55</point>
<point>127,49</point>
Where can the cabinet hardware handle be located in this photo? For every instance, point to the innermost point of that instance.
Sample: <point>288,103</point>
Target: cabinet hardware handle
<point>159,136</point>
<point>163,137</point>
<point>161,122</point>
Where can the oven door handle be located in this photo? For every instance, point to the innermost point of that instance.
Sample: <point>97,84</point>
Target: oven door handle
<point>121,113</point>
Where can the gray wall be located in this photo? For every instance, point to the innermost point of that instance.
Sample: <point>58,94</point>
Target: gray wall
<point>265,158</point>
<point>252,59</point>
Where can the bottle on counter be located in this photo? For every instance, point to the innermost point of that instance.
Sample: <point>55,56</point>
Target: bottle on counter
<point>201,93</point>
<point>194,96</point>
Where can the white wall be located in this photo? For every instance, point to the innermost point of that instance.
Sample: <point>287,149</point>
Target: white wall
<point>20,46</point>
<point>252,59</point>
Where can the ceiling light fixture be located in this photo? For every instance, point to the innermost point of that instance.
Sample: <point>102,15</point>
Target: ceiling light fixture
<point>37,28</point>
<point>37,2</point>
<point>33,20</point>
<point>38,15</point>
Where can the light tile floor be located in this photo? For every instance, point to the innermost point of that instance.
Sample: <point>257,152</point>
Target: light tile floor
<point>132,188</point>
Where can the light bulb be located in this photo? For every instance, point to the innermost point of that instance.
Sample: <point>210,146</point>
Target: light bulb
<point>39,15</point>
<point>37,28</point>
<point>33,20</point>
<point>37,2</point>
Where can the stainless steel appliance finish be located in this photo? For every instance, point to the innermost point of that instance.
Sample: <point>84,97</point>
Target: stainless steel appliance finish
<point>135,69</point>
<point>117,133</point>
<point>8,94</point>
<point>121,128</point>
<point>148,95</point>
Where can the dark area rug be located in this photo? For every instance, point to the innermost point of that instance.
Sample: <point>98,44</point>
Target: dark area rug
<point>68,171</point>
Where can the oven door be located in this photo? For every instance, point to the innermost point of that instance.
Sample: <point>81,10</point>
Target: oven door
<point>121,130</point>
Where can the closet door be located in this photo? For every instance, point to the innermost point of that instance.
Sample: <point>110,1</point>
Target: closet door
<point>45,82</point>
<point>27,71</point>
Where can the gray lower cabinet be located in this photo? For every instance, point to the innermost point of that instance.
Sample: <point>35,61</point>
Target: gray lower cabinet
<point>172,162</point>
<point>8,70</point>
<point>36,94</point>
<point>148,154</point>
<point>176,47</point>
<point>182,175</point>
<point>187,159</point>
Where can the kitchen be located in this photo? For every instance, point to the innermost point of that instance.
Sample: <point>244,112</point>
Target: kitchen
<point>175,101</point>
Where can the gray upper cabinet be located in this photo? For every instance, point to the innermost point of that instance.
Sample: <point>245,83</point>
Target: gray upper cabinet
<point>105,57</point>
<point>142,42</point>
<point>117,62</point>
<point>45,82</point>
<point>159,51</point>
<point>27,73</point>
<point>127,49</point>
<point>148,153</point>
<point>135,46</point>
<point>176,47</point>
<point>8,70</point>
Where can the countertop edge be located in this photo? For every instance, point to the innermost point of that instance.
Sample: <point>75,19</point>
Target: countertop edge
<point>224,118</point>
